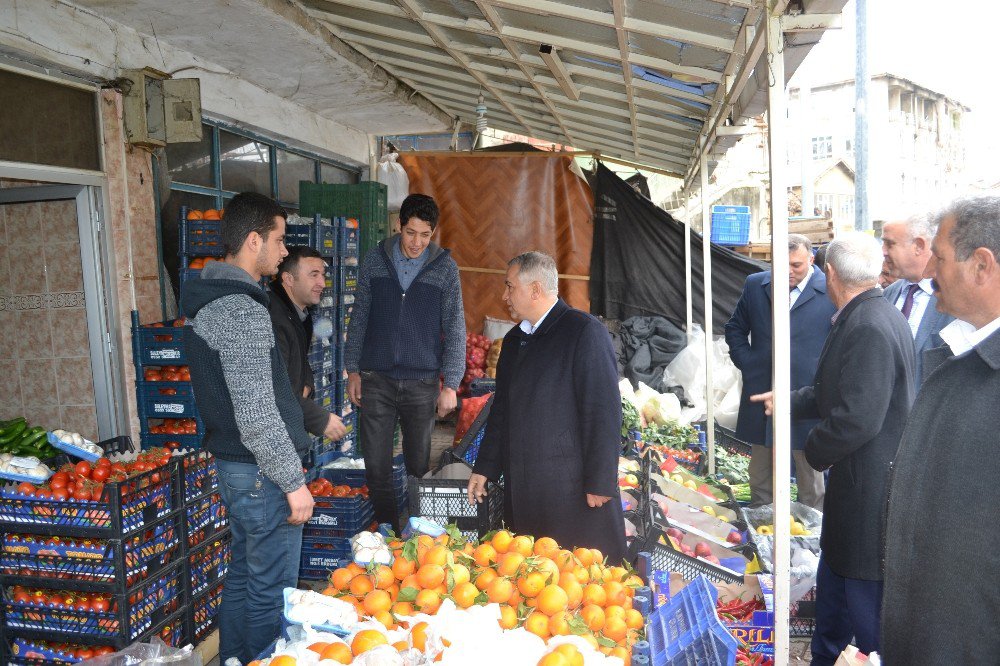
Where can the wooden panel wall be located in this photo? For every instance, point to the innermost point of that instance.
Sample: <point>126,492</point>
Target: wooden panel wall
<point>495,206</point>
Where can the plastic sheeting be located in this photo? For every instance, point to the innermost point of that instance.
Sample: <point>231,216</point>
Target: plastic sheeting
<point>637,262</point>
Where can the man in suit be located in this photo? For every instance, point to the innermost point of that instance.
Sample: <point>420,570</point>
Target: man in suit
<point>862,396</point>
<point>906,247</point>
<point>554,431</point>
<point>748,334</point>
<point>941,540</point>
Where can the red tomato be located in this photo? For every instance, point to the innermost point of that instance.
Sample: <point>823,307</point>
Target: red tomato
<point>83,469</point>
<point>26,488</point>
<point>81,493</point>
<point>41,493</point>
<point>58,480</point>
<point>101,473</point>
<point>102,462</point>
<point>97,491</point>
<point>100,605</point>
<point>60,494</point>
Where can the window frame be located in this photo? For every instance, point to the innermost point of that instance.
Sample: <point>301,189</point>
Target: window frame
<point>220,195</point>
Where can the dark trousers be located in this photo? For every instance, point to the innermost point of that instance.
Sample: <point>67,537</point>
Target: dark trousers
<point>845,608</point>
<point>384,400</point>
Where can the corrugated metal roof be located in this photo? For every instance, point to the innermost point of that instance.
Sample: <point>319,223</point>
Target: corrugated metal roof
<point>641,80</point>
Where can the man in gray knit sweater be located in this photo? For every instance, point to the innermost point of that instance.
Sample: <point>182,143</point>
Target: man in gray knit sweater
<point>253,423</point>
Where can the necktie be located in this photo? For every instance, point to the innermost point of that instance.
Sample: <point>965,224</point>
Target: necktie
<point>908,301</point>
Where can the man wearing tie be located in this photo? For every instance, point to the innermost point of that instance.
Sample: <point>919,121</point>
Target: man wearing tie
<point>748,334</point>
<point>906,247</point>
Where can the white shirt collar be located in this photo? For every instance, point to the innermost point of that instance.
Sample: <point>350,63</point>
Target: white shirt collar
<point>925,286</point>
<point>528,328</point>
<point>962,336</point>
<point>801,286</point>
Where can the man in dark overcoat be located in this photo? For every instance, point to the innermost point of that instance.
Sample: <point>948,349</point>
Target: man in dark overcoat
<point>942,546</point>
<point>862,395</point>
<point>554,431</point>
<point>748,334</point>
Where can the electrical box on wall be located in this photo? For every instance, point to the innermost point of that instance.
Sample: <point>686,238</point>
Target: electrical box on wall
<point>160,110</point>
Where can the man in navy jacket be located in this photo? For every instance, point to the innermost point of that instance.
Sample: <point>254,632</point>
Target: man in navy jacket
<point>407,330</point>
<point>748,334</point>
<point>906,247</point>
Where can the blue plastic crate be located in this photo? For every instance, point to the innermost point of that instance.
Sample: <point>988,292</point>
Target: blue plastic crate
<point>201,238</point>
<point>686,630</point>
<point>348,239</point>
<point>730,227</point>
<point>482,386</point>
<point>172,400</point>
<point>151,441</point>
<point>158,345</point>
<point>315,234</point>
<point>334,397</point>
<point>346,279</point>
<point>345,514</point>
<point>322,358</point>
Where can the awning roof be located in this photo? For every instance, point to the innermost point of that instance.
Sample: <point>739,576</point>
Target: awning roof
<point>648,81</point>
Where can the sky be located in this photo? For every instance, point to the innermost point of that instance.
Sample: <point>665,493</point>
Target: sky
<point>949,47</point>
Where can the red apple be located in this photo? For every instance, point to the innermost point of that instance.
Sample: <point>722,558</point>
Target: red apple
<point>701,549</point>
<point>735,538</point>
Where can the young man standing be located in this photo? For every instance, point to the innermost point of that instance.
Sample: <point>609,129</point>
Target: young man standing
<point>407,329</point>
<point>253,423</point>
<point>296,288</point>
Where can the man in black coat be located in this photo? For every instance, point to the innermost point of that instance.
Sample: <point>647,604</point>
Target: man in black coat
<point>296,288</point>
<point>941,539</point>
<point>554,431</point>
<point>862,395</point>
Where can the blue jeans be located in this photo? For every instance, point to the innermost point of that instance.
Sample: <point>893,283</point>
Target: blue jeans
<point>265,560</point>
<point>845,608</point>
<point>384,400</point>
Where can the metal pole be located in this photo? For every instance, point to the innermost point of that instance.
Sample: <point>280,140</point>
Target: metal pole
<point>781,369</point>
<point>862,220</point>
<point>706,259</point>
<point>805,140</point>
<point>688,304</point>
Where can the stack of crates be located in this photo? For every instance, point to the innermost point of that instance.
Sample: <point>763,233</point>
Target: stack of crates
<point>326,538</point>
<point>200,241</point>
<point>207,542</point>
<point>93,575</point>
<point>365,202</point>
<point>336,240</point>
<point>168,415</point>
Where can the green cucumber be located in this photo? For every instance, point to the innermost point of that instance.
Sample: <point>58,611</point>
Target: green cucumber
<point>14,433</point>
<point>33,439</point>
<point>8,426</point>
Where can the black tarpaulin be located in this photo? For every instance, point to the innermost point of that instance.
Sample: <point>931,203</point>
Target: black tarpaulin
<point>637,263</point>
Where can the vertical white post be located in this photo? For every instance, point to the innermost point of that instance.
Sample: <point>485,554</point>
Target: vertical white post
<point>688,298</point>
<point>706,258</point>
<point>781,377</point>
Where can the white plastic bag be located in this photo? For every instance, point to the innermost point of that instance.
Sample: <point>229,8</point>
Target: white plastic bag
<point>154,653</point>
<point>392,174</point>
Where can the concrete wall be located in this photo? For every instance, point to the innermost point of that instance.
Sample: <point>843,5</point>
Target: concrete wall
<point>67,38</point>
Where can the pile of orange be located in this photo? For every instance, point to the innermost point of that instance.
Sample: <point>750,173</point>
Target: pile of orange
<point>548,590</point>
<point>210,214</point>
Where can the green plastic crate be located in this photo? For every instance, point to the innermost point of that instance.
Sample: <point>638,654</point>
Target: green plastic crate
<point>365,202</point>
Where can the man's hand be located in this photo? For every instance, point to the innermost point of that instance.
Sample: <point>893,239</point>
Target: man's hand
<point>477,489</point>
<point>446,402</point>
<point>335,429</point>
<point>354,388</point>
<point>767,399</point>
<point>595,501</point>
<point>301,503</point>
<point>305,391</point>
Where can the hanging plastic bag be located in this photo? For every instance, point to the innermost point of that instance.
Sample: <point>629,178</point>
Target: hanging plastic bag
<point>154,653</point>
<point>392,174</point>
